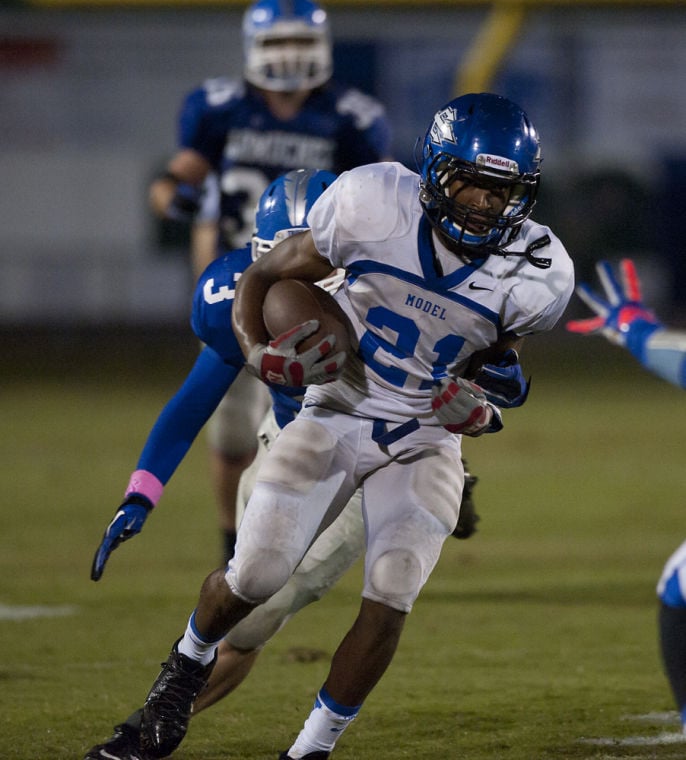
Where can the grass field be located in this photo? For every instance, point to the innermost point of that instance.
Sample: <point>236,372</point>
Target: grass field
<point>534,640</point>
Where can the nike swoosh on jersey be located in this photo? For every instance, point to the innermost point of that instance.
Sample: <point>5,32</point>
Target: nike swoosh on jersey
<point>472,286</point>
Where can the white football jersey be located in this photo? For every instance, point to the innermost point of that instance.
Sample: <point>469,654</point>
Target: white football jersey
<point>418,311</point>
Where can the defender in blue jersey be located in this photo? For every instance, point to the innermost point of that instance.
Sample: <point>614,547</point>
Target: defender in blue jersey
<point>622,318</point>
<point>439,266</point>
<point>286,113</point>
<point>235,136</point>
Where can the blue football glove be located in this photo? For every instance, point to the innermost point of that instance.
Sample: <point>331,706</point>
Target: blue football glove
<point>126,523</point>
<point>620,313</point>
<point>504,383</point>
<point>185,204</point>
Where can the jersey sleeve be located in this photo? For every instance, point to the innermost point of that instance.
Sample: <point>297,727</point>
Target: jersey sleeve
<point>191,117</point>
<point>197,129</point>
<point>367,136</point>
<point>537,297</point>
<point>361,206</point>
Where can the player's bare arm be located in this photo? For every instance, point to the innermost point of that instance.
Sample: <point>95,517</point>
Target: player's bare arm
<point>283,360</point>
<point>294,258</point>
<point>187,167</point>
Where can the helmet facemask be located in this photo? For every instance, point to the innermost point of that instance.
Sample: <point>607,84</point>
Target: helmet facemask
<point>477,232</point>
<point>287,57</point>
<point>260,246</point>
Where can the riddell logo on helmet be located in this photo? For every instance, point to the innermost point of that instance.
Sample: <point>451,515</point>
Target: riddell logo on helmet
<point>501,163</point>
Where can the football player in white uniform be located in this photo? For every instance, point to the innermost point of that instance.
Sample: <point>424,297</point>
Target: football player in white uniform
<point>439,266</point>
<point>622,318</point>
<point>282,211</point>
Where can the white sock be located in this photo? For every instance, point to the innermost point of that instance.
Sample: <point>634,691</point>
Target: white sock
<point>326,723</point>
<point>196,647</point>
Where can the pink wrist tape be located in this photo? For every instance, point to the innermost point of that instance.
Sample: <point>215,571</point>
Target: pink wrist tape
<point>144,482</point>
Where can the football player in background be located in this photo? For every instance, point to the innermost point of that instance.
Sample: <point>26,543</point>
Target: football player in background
<point>234,138</point>
<point>281,212</point>
<point>623,319</point>
<point>439,265</point>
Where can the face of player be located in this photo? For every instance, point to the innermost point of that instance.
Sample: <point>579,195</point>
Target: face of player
<point>488,198</point>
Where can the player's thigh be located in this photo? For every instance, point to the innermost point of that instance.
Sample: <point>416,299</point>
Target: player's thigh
<point>302,485</point>
<point>327,560</point>
<point>233,426</point>
<point>411,506</point>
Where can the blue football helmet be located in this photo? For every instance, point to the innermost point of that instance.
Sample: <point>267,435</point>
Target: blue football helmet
<point>286,45</point>
<point>487,141</point>
<point>283,207</point>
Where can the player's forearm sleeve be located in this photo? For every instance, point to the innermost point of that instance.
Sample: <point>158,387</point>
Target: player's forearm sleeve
<point>664,353</point>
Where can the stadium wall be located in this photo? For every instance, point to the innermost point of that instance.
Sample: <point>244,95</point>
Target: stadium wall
<point>89,100</point>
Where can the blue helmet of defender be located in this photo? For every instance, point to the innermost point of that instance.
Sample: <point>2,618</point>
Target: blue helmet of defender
<point>283,207</point>
<point>479,139</point>
<point>286,45</point>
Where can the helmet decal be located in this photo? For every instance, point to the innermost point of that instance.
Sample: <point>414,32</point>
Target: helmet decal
<point>501,163</point>
<point>441,129</point>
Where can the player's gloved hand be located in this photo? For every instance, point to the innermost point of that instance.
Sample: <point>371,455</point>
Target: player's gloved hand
<point>278,363</point>
<point>462,407</point>
<point>621,316</point>
<point>504,383</point>
<point>185,203</point>
<point>126,523</point>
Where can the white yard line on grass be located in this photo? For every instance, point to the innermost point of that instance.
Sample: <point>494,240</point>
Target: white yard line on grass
<point>635,741</point>
<point>30,612</point>
<point>655,717</point>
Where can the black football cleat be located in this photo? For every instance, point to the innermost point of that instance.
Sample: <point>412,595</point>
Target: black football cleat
<point>167,709</point>
<point>308,756</point>
<point>124,744</point>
